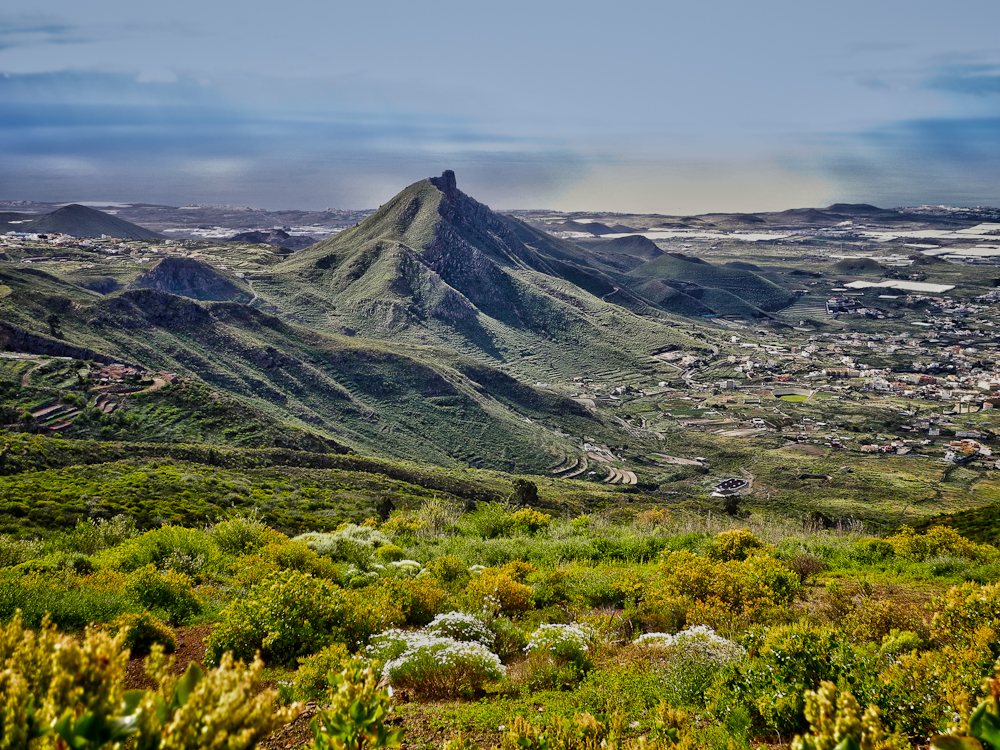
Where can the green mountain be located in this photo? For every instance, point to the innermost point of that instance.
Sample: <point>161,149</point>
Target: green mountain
<point>434,266</point>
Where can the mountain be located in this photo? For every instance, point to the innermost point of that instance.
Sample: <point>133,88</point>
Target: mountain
<point>81,221</point>
<point>192,278</point>
<point>434,266</point>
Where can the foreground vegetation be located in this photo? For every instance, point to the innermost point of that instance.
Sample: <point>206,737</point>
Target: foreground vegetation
<point>506,626</point>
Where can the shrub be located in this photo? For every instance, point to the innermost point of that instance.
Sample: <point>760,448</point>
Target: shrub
<point>509,639</point>
<point>736,545</point>
<point>402,526</point>
<point>93,535</point>
<point>835,719</point>
<point>783,662</point>
<point>491,520</point>
<point>435,667</point>
<point>435,518</point>
<point>312,678</point>
<point>557,657</point>
<point>244,534</point>
<point>388,553</point>
<point>497,592</point>
<point>939,541</point>
<point>298,556</point>
<point>461,626</point>
<point>450,572</point>
<point>156,547</point>
<point>73,690</point>
<point>530,521</point>
<point>874,619</point>
<point>418,600</point>
<point>806,567</point>
<point>169,592</point>
<point>16,551</point>
<point>920,692</point>
<point>66,599</point>
<point>292,614</point>
<point>722,594</point>
<point>689,661</point>
<point>962,610</point>
<point>356,716</point>
<point>873,551</point>
<point>351,543</point>
<point>143,630</point>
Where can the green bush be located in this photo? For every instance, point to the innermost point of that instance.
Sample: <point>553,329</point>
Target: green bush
<point>312,678</point>
<point>292,614</point>
<point>388,553</point>
<point>450,572</point>
<point>783,663</point>
<point>244,534</point>
<point>490,521</point>
<point>93,535</point>
<point>419,600</point>
<point>351,544</point>
<point>144,629</point>
<point>16,551</point>
<point>168,592</point>
<point>70,601</point>
<point>558,657</point>
<point>166,544</point>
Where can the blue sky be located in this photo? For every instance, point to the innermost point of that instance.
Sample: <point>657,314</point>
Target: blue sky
<point>672,107</point>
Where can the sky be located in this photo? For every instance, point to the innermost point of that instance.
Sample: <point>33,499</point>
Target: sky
<point>633,106</point>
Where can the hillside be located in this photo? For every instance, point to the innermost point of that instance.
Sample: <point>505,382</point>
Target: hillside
<point>434,266</point>
<point>192,278</point>
<point>721,284</point>
<point>625,253</point>
<point>392,399</point>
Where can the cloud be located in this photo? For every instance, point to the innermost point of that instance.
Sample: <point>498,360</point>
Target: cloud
<point>72,134</point>
<point>23,31</point>
<point>976,79</point>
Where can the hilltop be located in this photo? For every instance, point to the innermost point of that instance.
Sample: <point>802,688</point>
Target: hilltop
<point>82,221</point>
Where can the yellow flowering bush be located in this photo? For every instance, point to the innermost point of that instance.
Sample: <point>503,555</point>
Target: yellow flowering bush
<point>498,592</point>
<point>939,540</point>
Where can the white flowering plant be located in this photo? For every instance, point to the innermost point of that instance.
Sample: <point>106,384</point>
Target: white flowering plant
<point>561,638</point>
<point>690,660</point>
<point>435,666</point>
<point>461,626</point>
<point>557,656</point>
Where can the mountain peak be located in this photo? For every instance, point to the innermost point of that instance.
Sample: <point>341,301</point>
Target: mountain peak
<point>446,183</point>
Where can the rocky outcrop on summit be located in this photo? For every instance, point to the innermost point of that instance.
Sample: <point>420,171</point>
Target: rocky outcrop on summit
<point>192,278</point>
